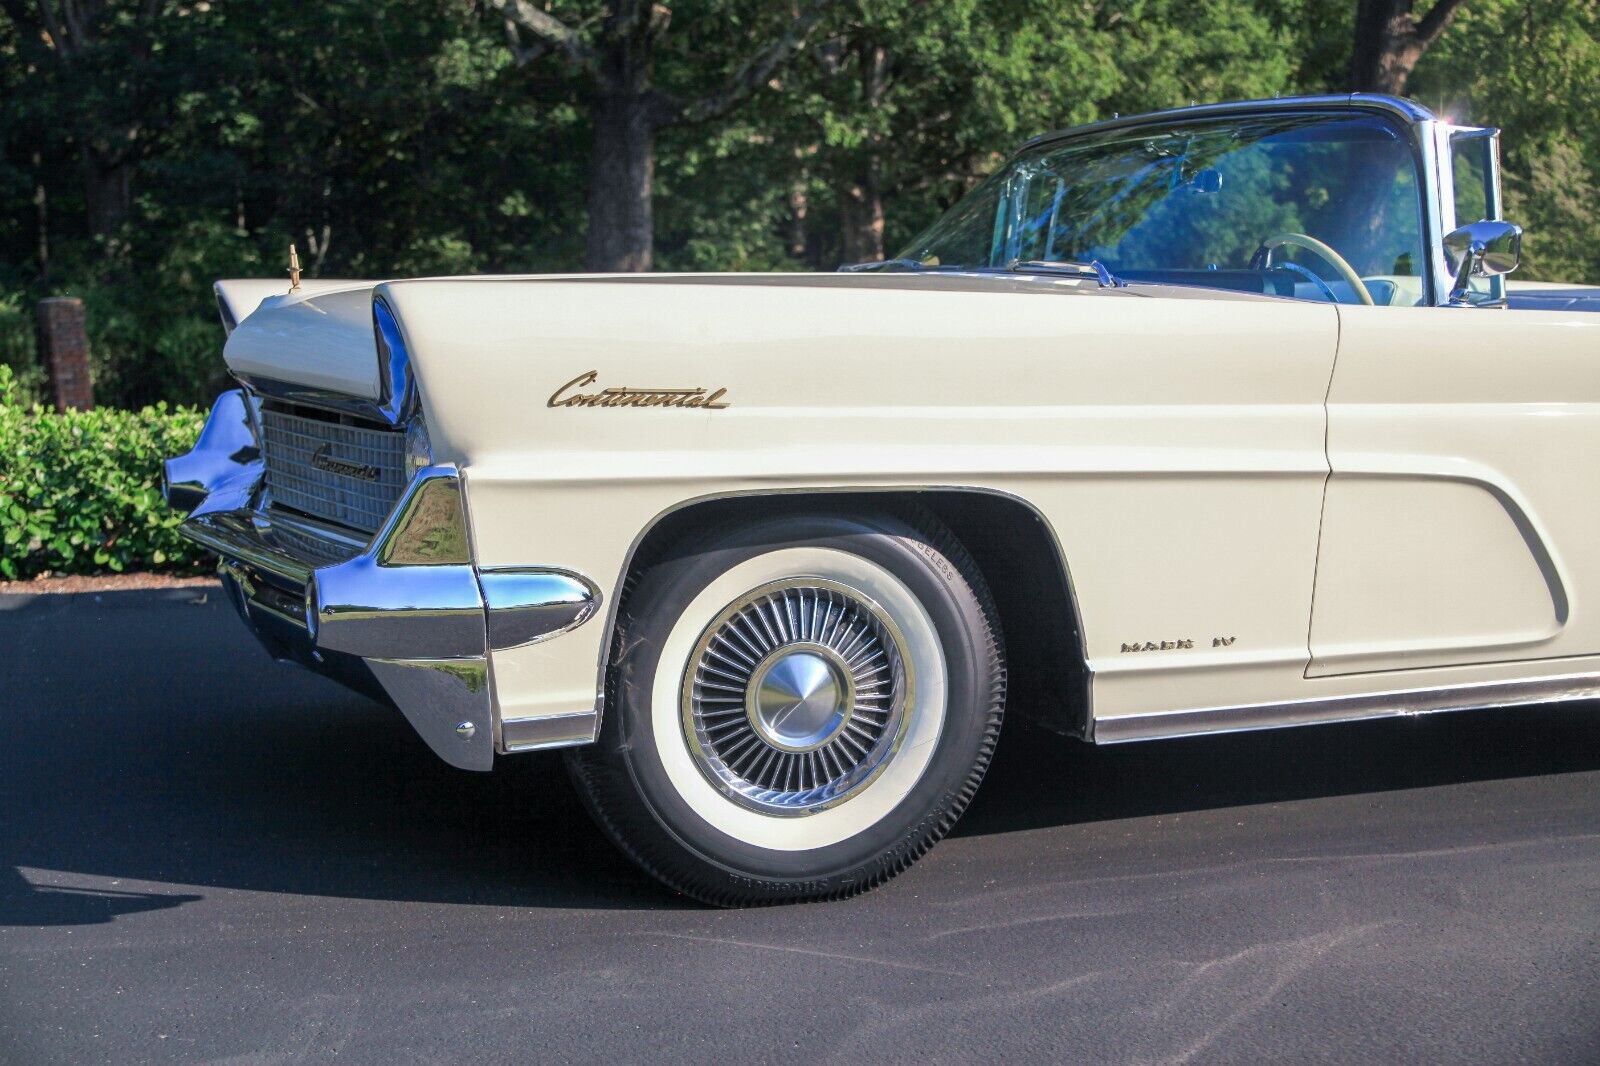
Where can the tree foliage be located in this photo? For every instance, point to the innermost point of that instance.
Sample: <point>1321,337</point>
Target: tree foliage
<point>150,146</point>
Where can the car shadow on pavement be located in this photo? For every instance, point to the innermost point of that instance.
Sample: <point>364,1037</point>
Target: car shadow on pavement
<point>147,740</point>
<point>1039,780</point>
<point>24,903</point>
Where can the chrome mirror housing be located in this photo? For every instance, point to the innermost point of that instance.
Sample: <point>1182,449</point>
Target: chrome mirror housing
<point>1481,250</point>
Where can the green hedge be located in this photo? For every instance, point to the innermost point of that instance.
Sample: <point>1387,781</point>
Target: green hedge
<point>79,490</point>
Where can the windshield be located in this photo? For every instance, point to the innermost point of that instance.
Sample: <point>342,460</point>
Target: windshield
<point>1311,206</point>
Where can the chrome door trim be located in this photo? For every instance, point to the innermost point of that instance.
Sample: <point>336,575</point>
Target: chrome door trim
<point>1405,703</point>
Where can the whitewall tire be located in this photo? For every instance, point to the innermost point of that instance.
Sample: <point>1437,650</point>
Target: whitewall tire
<point>798,708</point>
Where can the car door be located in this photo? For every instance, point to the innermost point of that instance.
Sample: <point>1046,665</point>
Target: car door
<point>1460,515</point>
<point>1455,517</point>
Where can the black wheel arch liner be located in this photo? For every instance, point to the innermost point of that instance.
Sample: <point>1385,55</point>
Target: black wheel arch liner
<point>1010,539</point>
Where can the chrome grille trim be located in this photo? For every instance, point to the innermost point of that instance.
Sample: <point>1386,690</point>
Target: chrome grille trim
<point>311,542</point>
<point>340,494</point>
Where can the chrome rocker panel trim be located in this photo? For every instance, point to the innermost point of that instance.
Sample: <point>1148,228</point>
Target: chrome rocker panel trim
<point>1405,703</point>
<point>406,616</point>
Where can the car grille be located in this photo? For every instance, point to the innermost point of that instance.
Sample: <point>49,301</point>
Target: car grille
<point>349,474</point>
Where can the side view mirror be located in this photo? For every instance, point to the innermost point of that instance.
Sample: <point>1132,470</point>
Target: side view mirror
<point>1481,250</point>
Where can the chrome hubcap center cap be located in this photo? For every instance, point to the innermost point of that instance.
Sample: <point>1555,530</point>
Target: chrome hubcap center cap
<point>798,700</point>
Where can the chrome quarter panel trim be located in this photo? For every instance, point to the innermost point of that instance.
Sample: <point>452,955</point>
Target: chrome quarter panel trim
<point>447,702</point>
<point>1399,704</point>
<point>549,731</point>
<point>524,605</point>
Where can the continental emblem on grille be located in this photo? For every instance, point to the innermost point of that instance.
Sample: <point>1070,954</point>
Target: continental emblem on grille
<point>324,461</point>
<point>569,395</point>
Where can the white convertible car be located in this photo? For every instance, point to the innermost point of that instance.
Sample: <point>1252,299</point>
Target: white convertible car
<point>1222,418</point>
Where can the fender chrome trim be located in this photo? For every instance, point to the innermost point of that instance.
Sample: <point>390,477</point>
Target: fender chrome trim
<point>549,731</point>
<point>449,702</point>
<point>412,594</point>
<point>525,605</point>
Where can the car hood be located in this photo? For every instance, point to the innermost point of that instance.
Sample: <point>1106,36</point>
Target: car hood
<point>321,335</point>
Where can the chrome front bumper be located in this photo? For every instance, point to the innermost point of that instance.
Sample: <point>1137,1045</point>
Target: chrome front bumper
<point>406,614</point>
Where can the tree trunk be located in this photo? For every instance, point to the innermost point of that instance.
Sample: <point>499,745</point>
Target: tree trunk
<point>862,238</point>
<point>627,112</point>
<point>1390,38</point>
<point>622,171</point>
<point>799,207</point>
<point>41,214</point>
<point>108,194</point>
<point>1385,47</point>
<point>861,235</point>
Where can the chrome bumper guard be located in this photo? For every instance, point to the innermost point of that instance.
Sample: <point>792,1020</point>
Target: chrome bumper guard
<point>407,614</point>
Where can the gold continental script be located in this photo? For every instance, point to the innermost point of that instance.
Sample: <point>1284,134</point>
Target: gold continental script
<point>622,396</point>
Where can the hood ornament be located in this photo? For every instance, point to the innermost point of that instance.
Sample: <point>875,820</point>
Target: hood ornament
<point>294,269</point>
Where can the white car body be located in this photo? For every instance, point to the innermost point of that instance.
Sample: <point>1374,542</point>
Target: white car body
<point>1255,511</point>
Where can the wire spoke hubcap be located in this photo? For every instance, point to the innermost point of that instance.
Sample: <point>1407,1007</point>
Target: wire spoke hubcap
<point>796,696</point>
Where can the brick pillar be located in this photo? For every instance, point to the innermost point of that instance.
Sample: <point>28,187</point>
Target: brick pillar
<point>64,351</point>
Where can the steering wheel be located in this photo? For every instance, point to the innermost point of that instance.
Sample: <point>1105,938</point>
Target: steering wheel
<point>1325,252</point>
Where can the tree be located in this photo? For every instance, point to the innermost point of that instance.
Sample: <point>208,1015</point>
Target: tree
<point>98,46</point>
<point>1532,68</point>
<point>902,105</point>
<point>628,109</point>
<point>1389,40</point>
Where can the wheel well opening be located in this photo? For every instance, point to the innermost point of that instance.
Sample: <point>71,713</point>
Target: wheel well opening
<point>1013,547</point>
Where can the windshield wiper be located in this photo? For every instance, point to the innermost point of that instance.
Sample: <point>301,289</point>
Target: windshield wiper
<point>1092,269</point>
<point>879,264</point>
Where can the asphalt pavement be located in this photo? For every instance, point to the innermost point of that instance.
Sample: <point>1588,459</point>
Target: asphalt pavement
<point>206,856</point>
